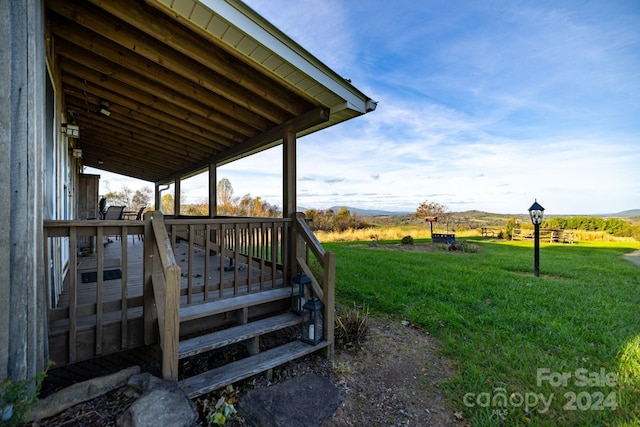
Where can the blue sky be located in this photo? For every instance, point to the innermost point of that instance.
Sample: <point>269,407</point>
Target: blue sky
<point>482,105</point>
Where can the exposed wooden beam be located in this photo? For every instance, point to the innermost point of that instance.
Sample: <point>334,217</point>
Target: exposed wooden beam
<point>111,145</point>
<point>165,29</point>
<point>111,71</point>
<point>140,113</point>
<point>164,84</point>
<point>140,145</point>
<point>260,101</point>
<point>121,118</point>
<point>259,143</point>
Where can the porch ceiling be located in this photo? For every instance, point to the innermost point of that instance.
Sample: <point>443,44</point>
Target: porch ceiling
<point>185,86</point>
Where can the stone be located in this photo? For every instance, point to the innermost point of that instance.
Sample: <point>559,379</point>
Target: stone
<point>78,393</point>
<point>162,403</point>
<point>304,401</point>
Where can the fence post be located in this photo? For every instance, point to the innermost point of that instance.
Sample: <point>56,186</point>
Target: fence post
<point>171,331</point>
<point>329,285</point>
<point>298,247</point>
<point>147,284</point>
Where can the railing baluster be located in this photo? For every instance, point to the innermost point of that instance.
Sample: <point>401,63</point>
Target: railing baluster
<point>274,253</point>
<point>207,255</point>
<point>124,305</point>
<point>249,255</point>
<point>99,294</point>
<point>73,293</point>
<point>192,236</point>
<point>223,247</point>
<point>236,266</point>
<point>263,253</point>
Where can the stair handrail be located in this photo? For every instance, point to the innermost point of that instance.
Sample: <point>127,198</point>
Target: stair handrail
<point>327,260</point>
<point>162,287</point>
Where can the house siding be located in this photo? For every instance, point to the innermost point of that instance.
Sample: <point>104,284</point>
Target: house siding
<point>23,349</point>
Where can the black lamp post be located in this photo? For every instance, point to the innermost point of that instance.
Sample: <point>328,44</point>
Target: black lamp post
<point>535,212</point>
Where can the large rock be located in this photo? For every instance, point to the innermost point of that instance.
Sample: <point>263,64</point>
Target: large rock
<point>304,401</point>
<point>78,393</point>
<point>162,403</point>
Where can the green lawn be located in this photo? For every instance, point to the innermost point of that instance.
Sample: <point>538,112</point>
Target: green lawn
<point>561,349</point>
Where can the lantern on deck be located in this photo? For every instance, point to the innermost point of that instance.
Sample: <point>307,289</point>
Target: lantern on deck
<point>313,321</point>
<point>300,292</point>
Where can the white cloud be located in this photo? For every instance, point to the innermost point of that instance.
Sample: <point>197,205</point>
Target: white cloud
<point>483,105</point>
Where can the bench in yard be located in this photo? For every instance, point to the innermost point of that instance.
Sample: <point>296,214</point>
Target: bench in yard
<point>448,239</point>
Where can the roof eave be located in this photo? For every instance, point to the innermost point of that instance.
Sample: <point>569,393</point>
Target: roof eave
<point>247,33</point>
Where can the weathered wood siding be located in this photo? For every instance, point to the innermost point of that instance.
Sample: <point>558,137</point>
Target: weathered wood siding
<point>22,91</point>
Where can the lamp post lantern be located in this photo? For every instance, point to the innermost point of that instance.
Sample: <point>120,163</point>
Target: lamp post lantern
<point>535,212</point>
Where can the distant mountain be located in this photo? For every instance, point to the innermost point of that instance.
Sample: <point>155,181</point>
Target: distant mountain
<point>474,213</point>
<point>626,214</point>
<point>361,212</point>
<point>368,212</point>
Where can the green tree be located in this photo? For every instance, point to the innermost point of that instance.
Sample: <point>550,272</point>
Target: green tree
<point>428,208</point>
<point>141,198</point>
<point>119,198</point>
<point>512,224</point>
<point>168,204</point>
<point>224,192</point>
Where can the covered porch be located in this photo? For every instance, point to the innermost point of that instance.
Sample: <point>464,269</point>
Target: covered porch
<point>162,281</point>
<point>164,90</point>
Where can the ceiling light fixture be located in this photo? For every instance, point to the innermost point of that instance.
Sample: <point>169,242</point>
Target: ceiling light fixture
<point>104,108</point>
<point>71,130</point>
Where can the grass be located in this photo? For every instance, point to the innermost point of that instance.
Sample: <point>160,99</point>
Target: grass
<point>500,325</point>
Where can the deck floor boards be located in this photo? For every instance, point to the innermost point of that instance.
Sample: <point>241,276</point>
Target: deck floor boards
<point>112,289</point>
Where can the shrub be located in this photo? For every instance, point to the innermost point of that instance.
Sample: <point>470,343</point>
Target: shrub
<point>17,397</point>
<point>351,327</point>
<point>407,240</point>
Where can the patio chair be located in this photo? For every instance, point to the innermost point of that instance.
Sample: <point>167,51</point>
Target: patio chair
<point>113,213</point>
<point>139,218</point>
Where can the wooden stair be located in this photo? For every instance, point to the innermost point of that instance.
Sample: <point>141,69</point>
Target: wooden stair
<point>248,332</point>
<point>244,368</point>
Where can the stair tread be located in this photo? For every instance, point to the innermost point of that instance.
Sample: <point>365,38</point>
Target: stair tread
<point>196,311</point>
<point>230,373</point>
<point>218,339</point>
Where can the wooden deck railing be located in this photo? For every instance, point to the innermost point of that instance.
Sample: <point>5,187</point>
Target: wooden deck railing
<point>183,263</point>
<point>252,250</point>
<point>68,239</point>
<point>307,244</point>
<point>162,290</point>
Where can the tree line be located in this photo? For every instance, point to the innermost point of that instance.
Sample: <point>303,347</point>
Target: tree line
<point>614,226</point>
<point>228,203</point>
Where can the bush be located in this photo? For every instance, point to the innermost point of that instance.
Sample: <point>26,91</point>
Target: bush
<point>351,327</point>
<point>17,397</point>
<point>407,240</point>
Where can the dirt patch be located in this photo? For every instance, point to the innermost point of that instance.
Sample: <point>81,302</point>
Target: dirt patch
<point>634,257</point>
<point>459,246</point>
<point>395,379</point>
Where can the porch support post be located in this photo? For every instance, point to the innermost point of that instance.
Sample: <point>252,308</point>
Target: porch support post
<point>289,175</point>
<point>289,198</point>
<point>158,199</point>
<point>176,198</point>
<point>23,304</point>
<point>213,190</point>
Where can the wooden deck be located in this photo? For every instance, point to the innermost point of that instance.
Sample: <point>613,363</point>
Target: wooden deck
<point>113,289</point>
<point>99,317</point>
<point>175,291</point>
